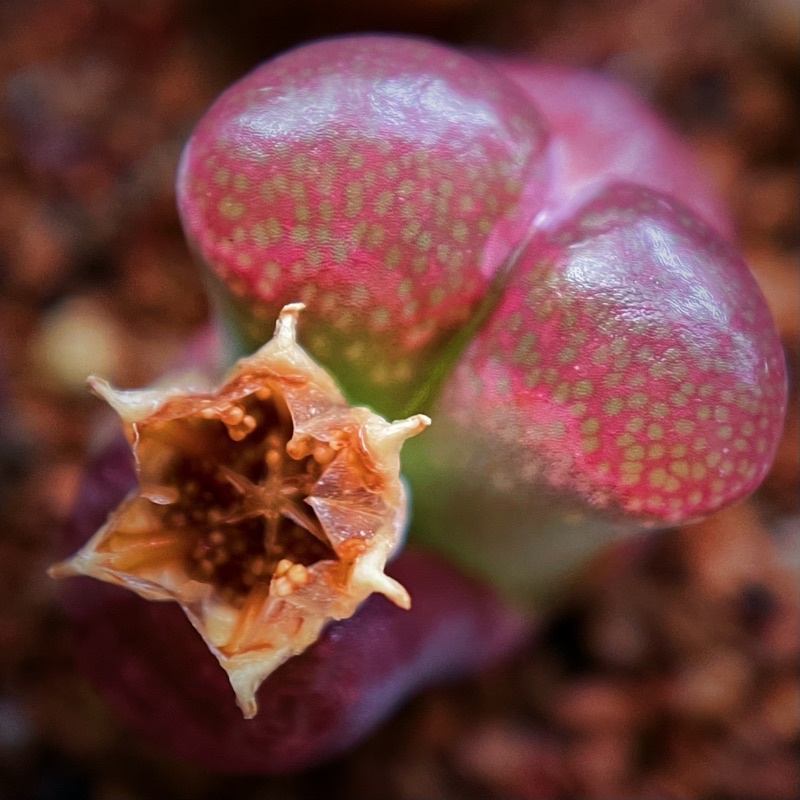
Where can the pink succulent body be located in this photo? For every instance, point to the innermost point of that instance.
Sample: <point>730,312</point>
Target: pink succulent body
<point>602,132</point>
<point>534,258</point>
<point>381,181</point>
<point>630,373</point>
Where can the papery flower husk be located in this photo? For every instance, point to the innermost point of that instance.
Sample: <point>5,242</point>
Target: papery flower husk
<point>220,471</point>
<point>155,672</point>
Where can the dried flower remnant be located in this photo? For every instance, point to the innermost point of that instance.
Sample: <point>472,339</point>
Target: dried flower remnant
<point>265,508</point>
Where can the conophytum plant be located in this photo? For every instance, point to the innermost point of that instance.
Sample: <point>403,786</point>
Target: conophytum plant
<point>524,255</point>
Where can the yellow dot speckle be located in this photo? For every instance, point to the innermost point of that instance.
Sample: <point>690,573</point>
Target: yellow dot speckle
<point>655,431</point>
<point>230,208</point>
<point>327,211</point>
<point>721,414</point>
<point>591,444</point>
<point>411,231</point>
<point>438,294</point>
<point>532,377</point>
<point>460,231</point>
<point>612,379</point>
<point>354,200</point>
<point>698,471</point>
<point>339,251</point>
<point>567,355</point>
<point>655,451</point>
<point>657,477</point>
<point>300,234</point>
<point>383,203</point>
<point>356,161</point>
<point>614,406</point>
<point>699,444</point>
<point>659,410</point>
<point>393,256</point>
<point>561,393</point>
<point>635,453</point>
<point>679,468</point>
<point>359,295</point>
<point>591,425</point>
<point>637,400</point>
<point>706,391</point>
<point>578,409</point>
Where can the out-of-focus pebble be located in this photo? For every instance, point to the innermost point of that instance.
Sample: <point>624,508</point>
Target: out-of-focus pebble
<point>713,688</point>
<point>727,551</point>
<point>511,762</point>
<point>77,339</point>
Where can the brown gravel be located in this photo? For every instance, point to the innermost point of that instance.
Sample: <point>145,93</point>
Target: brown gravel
<point>668,671</point>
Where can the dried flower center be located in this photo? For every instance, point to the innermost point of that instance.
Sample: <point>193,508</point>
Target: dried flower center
<point>240,499</point>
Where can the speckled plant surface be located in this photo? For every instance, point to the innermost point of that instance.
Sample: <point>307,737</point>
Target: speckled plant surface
<point>589,346</point>
<point>598,358</point>
<point>666,669</point>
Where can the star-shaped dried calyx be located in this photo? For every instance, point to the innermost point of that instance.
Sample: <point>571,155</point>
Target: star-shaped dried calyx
<point>265,508</point>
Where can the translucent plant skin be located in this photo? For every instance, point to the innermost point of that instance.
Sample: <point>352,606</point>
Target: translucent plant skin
<point>602,132</point>
<point>630,377</point>
<point>597,357</point>
<point>381,181</point>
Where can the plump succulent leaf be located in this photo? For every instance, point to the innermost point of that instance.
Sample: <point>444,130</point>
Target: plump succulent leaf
<point>631,372</point>
<point>382,181</point>
<point>602,132</point>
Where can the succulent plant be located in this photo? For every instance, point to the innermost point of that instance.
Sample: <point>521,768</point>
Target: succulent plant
<point>532,259</point>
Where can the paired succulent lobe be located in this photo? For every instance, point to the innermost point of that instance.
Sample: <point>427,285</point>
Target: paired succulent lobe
<point>265,508</point>
<point>630,372</point>
<point>382,181</point>
<point>601,132</point>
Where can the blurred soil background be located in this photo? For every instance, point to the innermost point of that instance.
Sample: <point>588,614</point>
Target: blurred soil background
<point>672,677</point>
